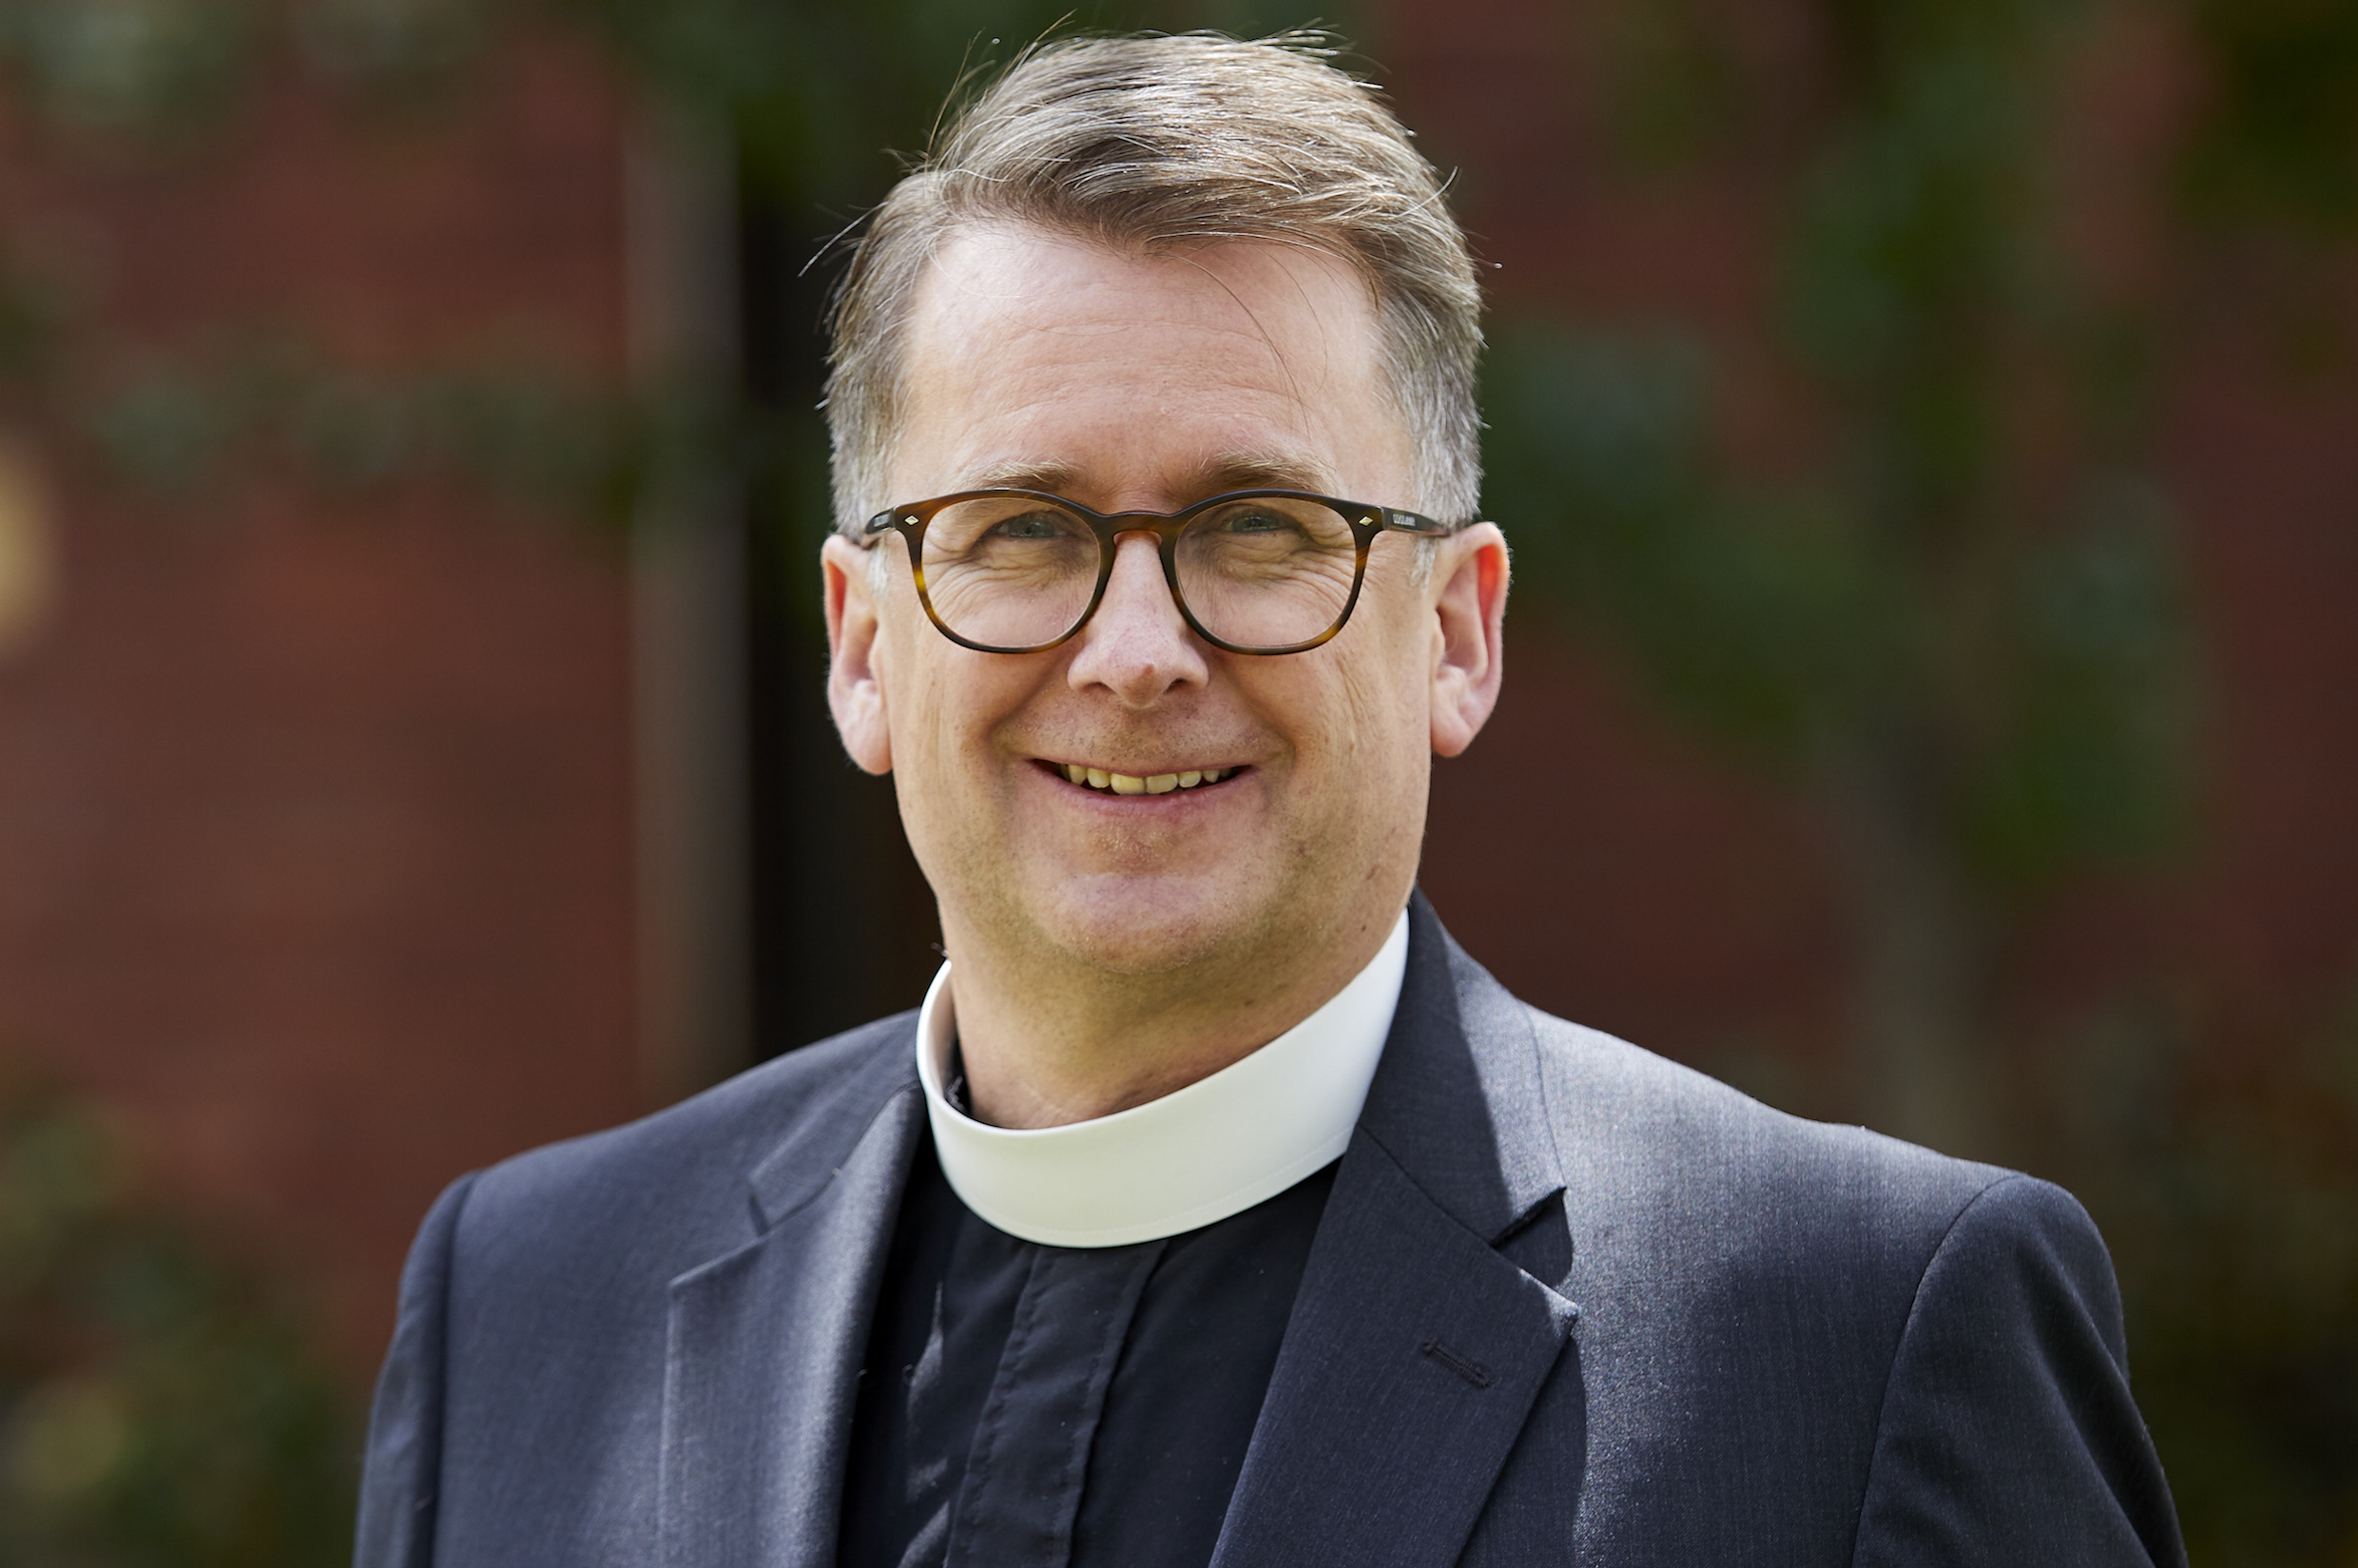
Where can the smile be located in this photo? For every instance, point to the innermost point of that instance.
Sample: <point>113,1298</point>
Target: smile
<point>1132,783</point>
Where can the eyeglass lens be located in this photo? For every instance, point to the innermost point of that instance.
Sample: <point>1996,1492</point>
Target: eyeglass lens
<point>1261,572</point>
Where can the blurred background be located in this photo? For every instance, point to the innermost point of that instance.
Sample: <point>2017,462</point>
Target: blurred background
<point>1928,430</point>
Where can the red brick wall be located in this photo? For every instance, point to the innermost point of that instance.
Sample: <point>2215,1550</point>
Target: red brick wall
<point>315,813</point>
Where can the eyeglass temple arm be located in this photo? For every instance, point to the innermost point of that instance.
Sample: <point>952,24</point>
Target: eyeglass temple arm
<point>1409,522</point>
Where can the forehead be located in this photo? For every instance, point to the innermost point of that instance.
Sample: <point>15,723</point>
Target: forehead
<point>1041,359</point>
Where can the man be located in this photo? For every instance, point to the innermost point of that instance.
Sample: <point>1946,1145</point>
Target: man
<point>1216,1208</point>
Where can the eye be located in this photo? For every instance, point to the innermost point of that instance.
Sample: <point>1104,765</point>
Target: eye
<point>1030,526</point>
<point>1254,520</point>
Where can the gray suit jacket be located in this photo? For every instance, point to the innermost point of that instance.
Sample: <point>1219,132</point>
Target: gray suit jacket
<point>1569,1302</point>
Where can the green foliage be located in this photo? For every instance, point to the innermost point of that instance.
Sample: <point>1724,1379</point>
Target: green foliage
<point>526,430</point>
<point>1934,601</point>
<point>1749,612</point>
<point>2278,135</point>
<point>155,1409</point>
<point>32,312</point>
<point>2229,1192</point>
<point>2085,761</point>
<point>398,45</point>
<point>125,64</point>
<point>145,72</point>
<point>1779,618</point>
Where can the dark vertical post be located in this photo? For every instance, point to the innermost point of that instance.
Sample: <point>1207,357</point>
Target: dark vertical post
<point>844,926</point>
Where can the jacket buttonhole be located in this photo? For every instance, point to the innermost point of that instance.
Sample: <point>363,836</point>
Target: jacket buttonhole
<point>1474,1372</point>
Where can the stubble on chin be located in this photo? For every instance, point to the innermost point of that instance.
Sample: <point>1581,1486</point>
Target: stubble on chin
<point>1140,927</point>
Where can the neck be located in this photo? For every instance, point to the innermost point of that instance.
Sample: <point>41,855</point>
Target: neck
<point>1046,1044</point>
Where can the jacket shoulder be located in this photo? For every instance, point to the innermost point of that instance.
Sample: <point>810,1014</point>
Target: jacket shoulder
<point>1791,1307</point>
<point>1655,1141</point>
<point>522,1406</point>
<point>674,1181</point>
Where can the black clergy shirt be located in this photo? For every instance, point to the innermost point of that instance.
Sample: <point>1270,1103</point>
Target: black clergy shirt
<point>1058,1407</point>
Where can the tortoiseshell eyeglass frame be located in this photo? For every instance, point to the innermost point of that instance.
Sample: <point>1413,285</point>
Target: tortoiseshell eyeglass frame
<point>1365,520</point>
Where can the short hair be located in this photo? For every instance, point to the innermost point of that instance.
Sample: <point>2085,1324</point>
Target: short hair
<point>1159,142</point>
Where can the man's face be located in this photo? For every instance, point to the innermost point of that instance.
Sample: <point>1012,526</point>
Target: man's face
<point>1122,382</point>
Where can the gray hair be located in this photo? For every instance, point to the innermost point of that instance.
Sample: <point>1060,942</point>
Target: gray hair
<point>1159,142</point>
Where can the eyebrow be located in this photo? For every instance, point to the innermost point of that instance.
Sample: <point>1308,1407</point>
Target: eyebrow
<point>1226,471</point>
<point>1051,477</point>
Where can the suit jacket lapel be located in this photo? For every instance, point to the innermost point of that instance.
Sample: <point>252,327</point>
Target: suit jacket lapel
<point>766,1342</point>
<point>1415,1350</point>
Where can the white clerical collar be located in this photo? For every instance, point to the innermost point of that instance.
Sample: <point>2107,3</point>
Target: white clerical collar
<point>1198,1154</point>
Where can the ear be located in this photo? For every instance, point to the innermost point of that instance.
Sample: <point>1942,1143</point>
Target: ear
<point>854,686</point>
<point>1469,650</point>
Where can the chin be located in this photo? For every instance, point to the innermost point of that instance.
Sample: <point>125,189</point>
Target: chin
<point>1146,925</point>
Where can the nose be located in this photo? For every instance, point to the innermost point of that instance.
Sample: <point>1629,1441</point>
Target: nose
<point>1138,646</point>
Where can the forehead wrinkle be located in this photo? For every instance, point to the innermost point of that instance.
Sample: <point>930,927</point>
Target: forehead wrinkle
<point>1358,328</point>
<point>1277,355</point>
<point>1031,382</point>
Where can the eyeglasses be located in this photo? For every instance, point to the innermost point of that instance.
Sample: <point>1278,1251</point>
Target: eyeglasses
<point>1252,572</point>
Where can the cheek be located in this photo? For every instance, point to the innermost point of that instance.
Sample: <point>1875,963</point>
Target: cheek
<point>945,706</point>
<point>916,703</point>
<point>1387,705</point>
<point>1358,735</point>
<point>1391,684</point>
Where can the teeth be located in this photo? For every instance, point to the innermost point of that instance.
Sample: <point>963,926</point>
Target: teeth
<point>1130,783</point>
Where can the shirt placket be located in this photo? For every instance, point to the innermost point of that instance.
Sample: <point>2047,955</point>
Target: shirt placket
<point>1022,1486</point>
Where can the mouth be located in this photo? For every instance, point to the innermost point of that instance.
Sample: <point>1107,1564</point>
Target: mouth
<point>1105,781</point>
